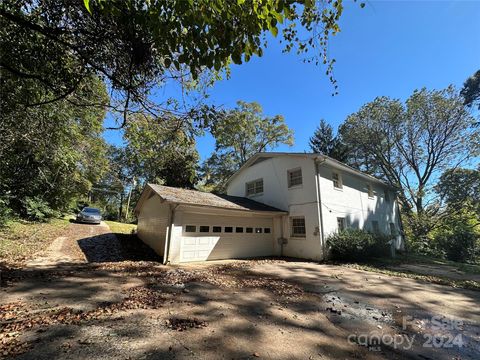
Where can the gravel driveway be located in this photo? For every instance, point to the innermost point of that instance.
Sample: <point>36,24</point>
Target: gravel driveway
<point>83,302</point>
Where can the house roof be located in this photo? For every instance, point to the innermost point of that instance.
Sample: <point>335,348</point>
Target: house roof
<point>198,198</point>
<point>316,156</point>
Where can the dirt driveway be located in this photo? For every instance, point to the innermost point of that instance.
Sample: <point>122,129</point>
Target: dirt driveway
<point>79,300</point>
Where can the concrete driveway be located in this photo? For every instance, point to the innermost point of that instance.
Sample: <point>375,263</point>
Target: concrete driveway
<point>269,309</point>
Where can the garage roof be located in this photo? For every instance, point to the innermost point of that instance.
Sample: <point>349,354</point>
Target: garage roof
<point>199,198</point>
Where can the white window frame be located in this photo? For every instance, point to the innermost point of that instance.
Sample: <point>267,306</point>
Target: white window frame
<point>295,177</point>
<point>338,180</point>
<point>293,234</point>
<point>257,188</point>
<point>344,224</point>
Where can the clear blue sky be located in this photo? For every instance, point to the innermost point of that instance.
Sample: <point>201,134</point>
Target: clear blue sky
<point>387,48</point>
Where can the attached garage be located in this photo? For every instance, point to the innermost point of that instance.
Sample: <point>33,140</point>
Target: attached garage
<point>187,225</point>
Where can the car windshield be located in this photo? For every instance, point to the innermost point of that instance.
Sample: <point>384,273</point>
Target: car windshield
<point>91,210</point>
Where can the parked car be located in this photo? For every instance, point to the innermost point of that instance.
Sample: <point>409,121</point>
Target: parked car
<point>89,215</point>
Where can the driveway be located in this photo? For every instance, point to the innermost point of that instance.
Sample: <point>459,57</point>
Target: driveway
<point>89,305</point>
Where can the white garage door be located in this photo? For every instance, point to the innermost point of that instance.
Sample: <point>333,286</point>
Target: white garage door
<point>208,237</point>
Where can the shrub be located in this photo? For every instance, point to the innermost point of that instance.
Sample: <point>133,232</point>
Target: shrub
<point>38,209</point>
<point>357,245</point>
<point>5,211</point>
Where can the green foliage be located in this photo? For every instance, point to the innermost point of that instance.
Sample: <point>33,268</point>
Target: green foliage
<point>458,236</point>
<point>5,211</point>
<point>38,209</point>
<point>457,186</point>
<point>52,152</point>
<point>409,145</point>
<point>357,245</point>
<point>324,142</point>
<point>471,91</point>
<point>239,134</point>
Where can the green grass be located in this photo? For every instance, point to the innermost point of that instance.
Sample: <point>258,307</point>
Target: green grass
<point>121,228</point>
<point>20,240</point>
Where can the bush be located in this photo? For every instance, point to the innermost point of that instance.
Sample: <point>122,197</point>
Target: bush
<point>5,211</point>
<point>357,245</point>
<point>38,209</point>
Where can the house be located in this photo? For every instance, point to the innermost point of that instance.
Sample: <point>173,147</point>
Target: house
<point>282,204</point>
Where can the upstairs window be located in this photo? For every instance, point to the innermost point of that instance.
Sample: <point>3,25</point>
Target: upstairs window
<point>375,227</point>
<point>341,224</point>
<point>337,180</point>
<point>370,191</point>
<point>254,187</point>
<point>298,227</point>
<point>294,177</point>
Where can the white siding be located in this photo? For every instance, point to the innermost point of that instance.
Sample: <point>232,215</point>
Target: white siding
<point>153,223</point>
<point>298,200</point>
<point>214,246</point>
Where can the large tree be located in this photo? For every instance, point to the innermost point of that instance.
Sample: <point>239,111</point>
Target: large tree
<point>459,186</point>
<point>471,91</point>
<point>137,45</point>
<point>409,145</point>
<point>324,142</point>
<point>239,134</point>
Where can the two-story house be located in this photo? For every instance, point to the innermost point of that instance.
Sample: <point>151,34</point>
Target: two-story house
<point>277,204</point>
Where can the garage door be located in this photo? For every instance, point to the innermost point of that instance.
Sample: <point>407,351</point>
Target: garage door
<point>207,237</point>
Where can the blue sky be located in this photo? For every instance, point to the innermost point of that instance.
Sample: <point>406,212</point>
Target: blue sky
<point>387,48</point>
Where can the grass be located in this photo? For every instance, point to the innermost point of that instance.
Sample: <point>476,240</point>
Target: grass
<point>20,240</point>
<point>121,228</point>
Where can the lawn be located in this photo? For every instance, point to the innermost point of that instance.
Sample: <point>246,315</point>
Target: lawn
<point>20,240</point>
<point>121,228</point>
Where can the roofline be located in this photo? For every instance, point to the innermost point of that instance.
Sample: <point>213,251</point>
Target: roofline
<point>148,188</point>
<point>315,156</point>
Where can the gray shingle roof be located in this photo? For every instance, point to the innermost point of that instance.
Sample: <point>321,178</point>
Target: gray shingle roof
<point>194,197</point>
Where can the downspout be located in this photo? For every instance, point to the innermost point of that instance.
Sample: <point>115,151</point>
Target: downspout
<point>319,205</point>
<point>166,251</point>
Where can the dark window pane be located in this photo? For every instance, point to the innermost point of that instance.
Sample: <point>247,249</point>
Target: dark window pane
<point>266,230</point>
<point>239,229</point>
<point>204,228</point>
<point>258,230</point>
<point>216,229</point>
<point>249,230</point>
<point>228,229</point>
<point>190,228</point>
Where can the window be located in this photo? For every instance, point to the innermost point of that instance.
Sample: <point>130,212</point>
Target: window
<point>266,230</point>
<point>337,180</point>
<point>239,229</point>
<point>228,229</point>
<point>298,227</point>
<point>387,196</point>
<point>258,230</point>
<point>254,187</point>
<point>190,228</point>
<point>340,224</point>
<point>249,230</point>
<point>294,177</point>
<point>216,229</point>
<point>393,231</point>
<point>375,227</point>
<point>204,228</point>
<point>370,191</point>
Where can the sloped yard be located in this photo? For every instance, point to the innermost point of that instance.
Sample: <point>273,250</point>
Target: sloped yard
<point>112,308</point>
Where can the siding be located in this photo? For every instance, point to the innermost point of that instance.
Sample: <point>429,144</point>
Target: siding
<point>153,224</point>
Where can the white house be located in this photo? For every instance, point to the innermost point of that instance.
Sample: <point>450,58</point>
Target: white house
<point>277,204</point>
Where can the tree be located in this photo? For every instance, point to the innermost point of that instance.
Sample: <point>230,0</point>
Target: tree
<point>471,91</point>
<point>458,186</point>
<point>53,153</point>
<point>324,142</point>
<point>135,45</point>
<point>409,145</point>
<point>161,151</point>
<point>239,134</point>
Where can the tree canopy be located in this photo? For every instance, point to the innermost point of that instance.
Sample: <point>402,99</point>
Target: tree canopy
<point>239,134</point>
<point>324,142</point>
<point>471,91</point>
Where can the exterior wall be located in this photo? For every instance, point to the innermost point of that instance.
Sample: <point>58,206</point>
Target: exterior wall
<point>222,245</point>
<point>353,203</point>
<point>153,221</point>
<point>298,200</point>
